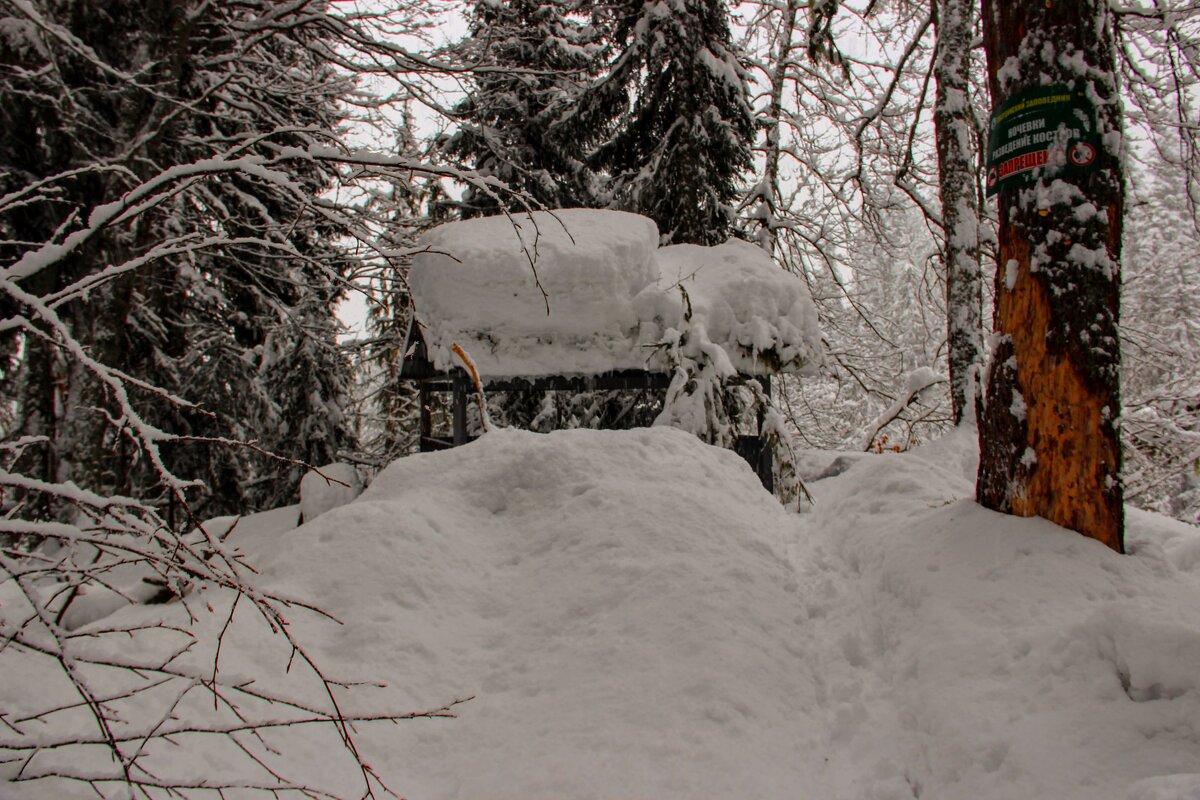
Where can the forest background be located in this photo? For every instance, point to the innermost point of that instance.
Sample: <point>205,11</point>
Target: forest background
<point>190,190</point>
<point>189,193</point>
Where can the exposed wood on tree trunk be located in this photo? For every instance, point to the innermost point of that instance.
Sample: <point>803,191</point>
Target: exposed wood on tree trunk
<point>1048,435</point>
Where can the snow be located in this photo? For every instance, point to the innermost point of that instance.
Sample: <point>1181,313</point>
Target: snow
<point>1075,62</point>
<point>476,287</point>
<point>1009,72</point>
<point>327,488</point>
<point>743,301</point>
<point>955,101</point>
<point>1018,407</point>
<point>915,382</point>
<point>21,36</point>
<point>634,616</point>
<point>966,230</point>
<point>1012,269</point>
<point>1095,258</point>
<point>921,379</point>
<point>1058,192</point>
<point>1112,141</point>
<point>1086,211</point>
<point>611,297</point>
<point>723,69</point>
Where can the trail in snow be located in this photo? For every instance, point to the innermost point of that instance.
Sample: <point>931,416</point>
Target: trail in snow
<point>991,657</point>
<point>636,618</point>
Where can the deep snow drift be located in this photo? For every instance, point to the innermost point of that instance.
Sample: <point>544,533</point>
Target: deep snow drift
<point>636,618</point>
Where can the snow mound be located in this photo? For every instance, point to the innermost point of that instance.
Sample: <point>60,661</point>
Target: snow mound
<point>632,616</point>
<point>590,593</point>
<point>327,488</point>
<point>138,583</point>
<point>611,297</point>
<point>993,657</point>
<point>1167,787</point>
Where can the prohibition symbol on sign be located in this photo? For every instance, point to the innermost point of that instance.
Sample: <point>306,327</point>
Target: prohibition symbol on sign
<point>1082,154</point>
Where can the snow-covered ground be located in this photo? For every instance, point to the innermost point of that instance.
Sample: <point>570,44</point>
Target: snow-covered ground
<point>635,618</point>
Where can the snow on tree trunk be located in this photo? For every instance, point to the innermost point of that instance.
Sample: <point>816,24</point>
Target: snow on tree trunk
<point>960,201</point>
<point>1048,435</point>
<point>768,191</point>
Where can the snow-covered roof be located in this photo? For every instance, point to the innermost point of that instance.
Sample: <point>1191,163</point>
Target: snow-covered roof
<point>610,296</point>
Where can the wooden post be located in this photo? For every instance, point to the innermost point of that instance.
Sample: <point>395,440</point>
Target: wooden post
<point>424,418</point>
<point>766,461</point>
<point>459,410</point>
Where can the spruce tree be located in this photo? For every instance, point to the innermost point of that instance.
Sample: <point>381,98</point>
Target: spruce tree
<point>671,118</point>
<point>530,59</point>
<point>233,309</point>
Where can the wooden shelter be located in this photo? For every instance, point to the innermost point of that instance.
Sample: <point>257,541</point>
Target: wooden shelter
<point>577,300</point>
<point>430,381</point>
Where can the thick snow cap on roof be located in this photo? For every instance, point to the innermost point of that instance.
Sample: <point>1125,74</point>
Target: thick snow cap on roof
<point>761,315</point>
<point>610,295</point>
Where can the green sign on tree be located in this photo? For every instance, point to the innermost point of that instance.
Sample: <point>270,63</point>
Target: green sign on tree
<point>1050,126</point>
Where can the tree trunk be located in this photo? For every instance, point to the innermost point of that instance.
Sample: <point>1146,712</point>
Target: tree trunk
<point>1048,435</point>
<point>960,202</point>
<point>768,191</point>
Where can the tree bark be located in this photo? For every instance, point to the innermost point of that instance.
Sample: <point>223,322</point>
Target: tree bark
<point>768,191</point>
<point>960,202</point>
<point>1048,435</point>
